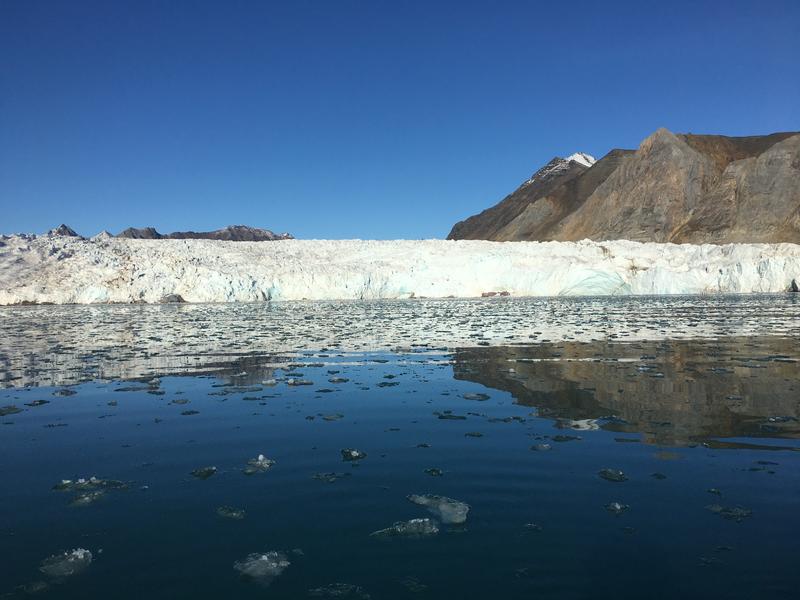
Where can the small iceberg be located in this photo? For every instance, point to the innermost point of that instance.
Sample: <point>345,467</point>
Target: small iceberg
<point>87,498</point>
<point>229,512</point>
<point>89,484</point>
<point>731,513</point>
<point>449,511</point>
<point>329,477</point>
<point>612,475</point>
<point>262,568</point>
<point>352,454</point>
<point>476,396</point>
<point>415,528</point>
<point>616,508</point>
<point>65,564</point>
<point>340,590</point>
<point>204,472</point>
<point>260,464</point>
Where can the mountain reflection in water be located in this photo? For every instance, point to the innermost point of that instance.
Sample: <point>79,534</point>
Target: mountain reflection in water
<point>672,392</point>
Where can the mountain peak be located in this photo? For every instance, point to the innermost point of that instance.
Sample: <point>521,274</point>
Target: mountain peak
<point>587,160</point>
<point>63,230</point>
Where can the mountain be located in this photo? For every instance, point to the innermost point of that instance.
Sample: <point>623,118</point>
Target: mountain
<point>231,233</point>
<point>673,188</point>
<point>63,230</point>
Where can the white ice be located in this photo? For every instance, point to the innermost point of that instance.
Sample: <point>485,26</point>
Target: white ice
<point>65,270</point>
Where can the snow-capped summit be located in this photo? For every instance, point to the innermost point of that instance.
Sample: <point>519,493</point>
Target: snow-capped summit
<point>587,160</point>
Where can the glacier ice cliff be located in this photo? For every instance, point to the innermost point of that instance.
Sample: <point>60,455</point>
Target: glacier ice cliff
<point>64,270</point>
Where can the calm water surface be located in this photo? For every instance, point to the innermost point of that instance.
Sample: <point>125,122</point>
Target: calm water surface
<point>514,407</point>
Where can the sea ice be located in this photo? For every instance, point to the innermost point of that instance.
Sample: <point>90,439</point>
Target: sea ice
<point>612,475</point>
<point>260,464</point>
<point>448,510</point>
<point>263,568</point>
<point>340,590</point>
<point>350,454</point>
<point>66,563</point>
<point>415,528</point>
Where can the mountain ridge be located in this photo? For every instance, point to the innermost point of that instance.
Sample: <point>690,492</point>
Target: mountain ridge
<point>673,188</point>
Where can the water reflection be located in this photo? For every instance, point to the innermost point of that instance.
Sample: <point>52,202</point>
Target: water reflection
<point>62,345</point>
<point>672,392</point>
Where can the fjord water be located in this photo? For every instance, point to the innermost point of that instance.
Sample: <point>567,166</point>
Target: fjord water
<point>513,406</point>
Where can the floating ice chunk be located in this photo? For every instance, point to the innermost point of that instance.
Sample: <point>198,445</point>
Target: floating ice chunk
<point>612,475</point>
<point>616,507</point>
<point>87,498</point>
<point>330,477</point>
<point>66,563</point>
<point>89,490</point>
<point>732,513</point>
<point>204,472</point>
<point>340,590</point>
<point>34,587</point>
<point>228,512</point>
<point>262,568</point>
<point>448,510</point>
<point>260,464</point>
<point>353,454</point>
<point>415,528</point>
<point>295,382</point>
<point>479,397</point>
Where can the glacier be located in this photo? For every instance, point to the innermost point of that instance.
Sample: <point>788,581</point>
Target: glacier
<point>68,270</point>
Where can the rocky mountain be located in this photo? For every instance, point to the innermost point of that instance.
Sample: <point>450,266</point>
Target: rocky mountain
<point>673,188</point>
<point>63,230</point>
<point>231,233</point>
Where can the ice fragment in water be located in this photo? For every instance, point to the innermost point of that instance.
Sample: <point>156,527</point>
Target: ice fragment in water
<point>352,454</point>
<point>340,590</point>
<point>66,563</point>
<point>612,475</point>
<point>448,510</point>
<point>616,507</point>
<point>732,513</point>
<point>204,472</point>
<point>228,512</point>
<point>415,528</point>
<point>262,568</point>
<point>479,397</point>
<point>259,464</point>
<point>330,477</point>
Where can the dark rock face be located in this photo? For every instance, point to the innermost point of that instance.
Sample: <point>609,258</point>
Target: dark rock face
<point>145,233</point>
<point>232,233</point>
<point>63,230</point>
<point>488,224</point>
<point>674,188</point>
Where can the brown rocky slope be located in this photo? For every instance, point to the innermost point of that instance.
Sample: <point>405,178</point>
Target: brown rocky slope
<point>673,188</point>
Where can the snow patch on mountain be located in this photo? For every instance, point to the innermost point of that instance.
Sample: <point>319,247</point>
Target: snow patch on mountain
<point>587,160</point>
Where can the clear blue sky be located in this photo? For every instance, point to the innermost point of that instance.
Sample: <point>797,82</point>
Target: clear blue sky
<point>356,119</point>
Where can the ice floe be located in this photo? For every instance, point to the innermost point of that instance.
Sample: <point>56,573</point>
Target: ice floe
<point>67,563</point>
<point>262,568</point>
<point>415,528</point>
<point>448,510</point>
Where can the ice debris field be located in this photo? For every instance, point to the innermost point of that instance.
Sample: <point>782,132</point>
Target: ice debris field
<point>67,270</point>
